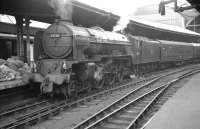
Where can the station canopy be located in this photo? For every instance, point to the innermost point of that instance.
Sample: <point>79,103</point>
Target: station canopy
<point>160,31</point>
<point>40,10</point>
<point>195,2</point>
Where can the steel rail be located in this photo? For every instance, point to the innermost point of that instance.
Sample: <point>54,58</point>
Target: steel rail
<point>53,108</point>
<point>134,123</point>
<point>110,107</point>
<point>63,104</point>
<point>97,123</point>
<point>48,111</point>
<point>20,104</point>
<point>181,77</point>
<point>23,108</point>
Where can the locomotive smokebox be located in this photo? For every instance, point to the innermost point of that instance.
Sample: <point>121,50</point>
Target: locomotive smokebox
<point>57,39</point>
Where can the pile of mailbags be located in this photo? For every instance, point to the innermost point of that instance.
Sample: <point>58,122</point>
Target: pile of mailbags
<point>12,69</point>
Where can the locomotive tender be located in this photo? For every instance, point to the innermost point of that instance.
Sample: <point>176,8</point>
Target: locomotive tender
<point>73,59</point>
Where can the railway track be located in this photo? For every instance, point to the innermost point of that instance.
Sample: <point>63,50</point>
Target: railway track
<point>50,109</point>
<point>11,96</point>
<point>131,113</point>
<point>31,104</point>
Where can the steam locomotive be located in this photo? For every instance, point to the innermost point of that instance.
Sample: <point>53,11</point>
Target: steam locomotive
<point>73,59</point>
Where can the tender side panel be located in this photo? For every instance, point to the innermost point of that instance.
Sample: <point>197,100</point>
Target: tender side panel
<point>134,50</point>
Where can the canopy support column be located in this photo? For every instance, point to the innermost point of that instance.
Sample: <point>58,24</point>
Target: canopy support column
<point>27,23</point>
<point>20,43</point>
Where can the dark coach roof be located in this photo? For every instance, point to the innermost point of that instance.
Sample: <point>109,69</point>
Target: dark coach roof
<point>40,10</point>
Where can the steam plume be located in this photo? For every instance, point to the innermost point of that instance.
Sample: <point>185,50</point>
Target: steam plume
<point>62,8</point>
<point>122,23</point>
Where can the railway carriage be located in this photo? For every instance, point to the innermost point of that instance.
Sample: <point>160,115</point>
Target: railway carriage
<point>174,53</point>
<point>196,52</point>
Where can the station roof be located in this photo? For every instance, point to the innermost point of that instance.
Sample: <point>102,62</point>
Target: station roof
<point>7,28</point>
<point>195,19</point>
<point>40,10</point>
<point>195,2</point>
<point>161,31</point>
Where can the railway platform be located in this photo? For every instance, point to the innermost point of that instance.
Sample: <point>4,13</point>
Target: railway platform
<point>182,111</point>
<point>11,84</point>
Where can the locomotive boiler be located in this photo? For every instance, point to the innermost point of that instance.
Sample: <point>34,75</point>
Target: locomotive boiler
<point>74,59</point>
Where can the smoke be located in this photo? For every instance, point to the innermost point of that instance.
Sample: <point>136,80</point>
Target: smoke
<point>62,8</point>
<point>122,23</point>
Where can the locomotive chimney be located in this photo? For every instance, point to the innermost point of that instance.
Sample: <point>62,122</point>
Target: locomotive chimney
<point>63,9</point>
<point>68,21</point>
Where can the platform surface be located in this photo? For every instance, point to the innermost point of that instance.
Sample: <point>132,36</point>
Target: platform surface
<point>11,84</point>
<point>182,111</point>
